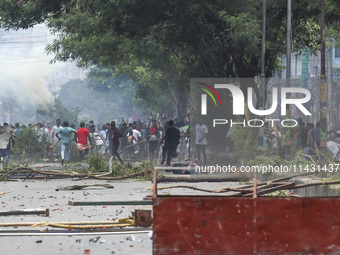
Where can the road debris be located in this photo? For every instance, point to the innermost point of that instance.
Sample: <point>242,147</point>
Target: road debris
<point>96,203</point>
<point>38,211</point>
<point>94,240</point>
<point>79,187</point>
<point>58,174</point>
<point>131,238</point>
<point>3,193</point>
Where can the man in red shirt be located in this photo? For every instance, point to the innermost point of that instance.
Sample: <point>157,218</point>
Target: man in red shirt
<point>83,140</point>
<point>153,140</point>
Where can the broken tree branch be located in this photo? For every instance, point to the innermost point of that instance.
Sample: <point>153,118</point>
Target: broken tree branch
<point>315,184</point>
<point>74,175</point>
<point>222,190</point>
<point>79,187</point>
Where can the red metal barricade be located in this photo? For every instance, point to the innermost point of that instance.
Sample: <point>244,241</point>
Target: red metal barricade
<point>235,225</point>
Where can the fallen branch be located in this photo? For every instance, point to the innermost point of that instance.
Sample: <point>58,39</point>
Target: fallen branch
<point>79,187</point>
<point>205,178</point>
<point>315,184</point>
<point>222,190</point>
<point>11,172</point>
<point>76,175</point>
<point>277,180</point>
<point>308,156</point>
<point>329,160</point>
<point>141,173</point>
<point>265,185</point>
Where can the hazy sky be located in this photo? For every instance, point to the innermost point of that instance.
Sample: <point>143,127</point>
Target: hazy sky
<point>24,66</point>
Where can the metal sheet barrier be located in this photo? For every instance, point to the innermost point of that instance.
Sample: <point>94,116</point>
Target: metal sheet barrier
<point>228,225</point>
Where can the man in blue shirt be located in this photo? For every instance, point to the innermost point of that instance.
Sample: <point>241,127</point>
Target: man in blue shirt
<point>65,138</point>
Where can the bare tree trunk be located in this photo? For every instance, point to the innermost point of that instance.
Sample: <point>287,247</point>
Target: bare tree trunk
<point>180,97</point>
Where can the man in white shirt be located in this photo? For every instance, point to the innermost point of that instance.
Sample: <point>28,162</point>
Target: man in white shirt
<point>106,145</point>
<point>201,141</point>
<point>137,135</point>
<point>55,140</point>
<point>55,129</point>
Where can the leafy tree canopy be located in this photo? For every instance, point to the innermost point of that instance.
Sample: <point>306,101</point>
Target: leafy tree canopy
<point>164,43</point>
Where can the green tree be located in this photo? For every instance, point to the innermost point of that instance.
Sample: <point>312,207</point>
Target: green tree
<point>173,39</point>
<point>64,113</point>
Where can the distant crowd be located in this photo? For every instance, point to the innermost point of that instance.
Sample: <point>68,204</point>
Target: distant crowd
<point>128,139</point>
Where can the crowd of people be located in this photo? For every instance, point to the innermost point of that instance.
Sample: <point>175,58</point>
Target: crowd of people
<point>308,138</point>
<point>157,140</point>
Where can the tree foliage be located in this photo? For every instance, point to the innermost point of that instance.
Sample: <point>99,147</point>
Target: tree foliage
<point>171,41</point>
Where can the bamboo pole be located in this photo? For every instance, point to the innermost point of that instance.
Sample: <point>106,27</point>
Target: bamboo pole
<point>23,224</point>
<point>38,211</point>
<point>3,193</point>
<point>83,233</point>
<point>48,224</point>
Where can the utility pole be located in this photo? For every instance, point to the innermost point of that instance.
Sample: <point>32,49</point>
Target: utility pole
<point>288,71</point>
<point>323,81</point>
<point>289,42</point>
<point>263,59</point>
<point>263,76</point>
<point>330,88</point>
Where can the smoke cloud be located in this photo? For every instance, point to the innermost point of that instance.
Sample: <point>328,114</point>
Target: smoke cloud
<point>26,77</point>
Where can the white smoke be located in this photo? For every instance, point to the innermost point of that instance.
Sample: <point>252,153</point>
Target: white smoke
<point>25,72</point>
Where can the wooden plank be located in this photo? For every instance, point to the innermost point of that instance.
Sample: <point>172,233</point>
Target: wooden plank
<point>99,203</point>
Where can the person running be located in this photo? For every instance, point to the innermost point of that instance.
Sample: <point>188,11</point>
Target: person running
<point>108,138</point>
<point>106,144</point>
<point>114,141</point>
<point>83,141</point>
<point>64,135</point>
<point>98,141</point>
<point>137,135</point>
